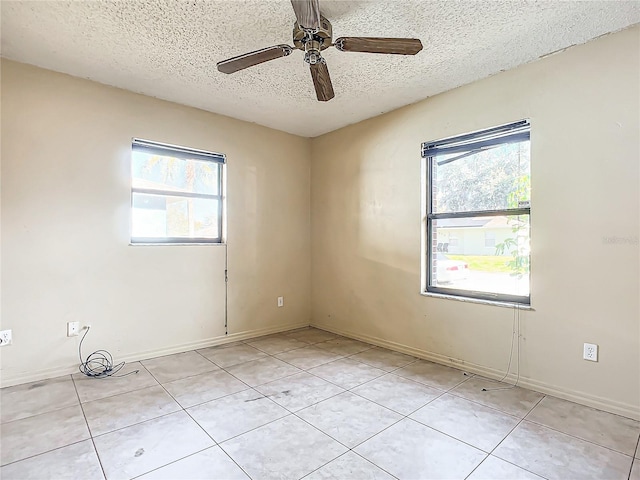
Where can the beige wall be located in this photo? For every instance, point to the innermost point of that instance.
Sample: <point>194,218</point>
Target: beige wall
<point>65,228</point>
<point>584,108</point>
<point>65,217</point>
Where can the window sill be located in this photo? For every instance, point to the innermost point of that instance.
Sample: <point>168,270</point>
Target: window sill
<point>205,244</point>
<point>481,301</point>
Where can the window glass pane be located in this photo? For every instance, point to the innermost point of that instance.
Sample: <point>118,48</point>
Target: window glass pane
<point>472,263</point>
<point>161,216</point>
<point>159,172</point>
<point>493,179</point>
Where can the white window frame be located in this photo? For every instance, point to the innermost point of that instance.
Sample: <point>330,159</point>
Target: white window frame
<point>508,133</point>
<point>183,153</point>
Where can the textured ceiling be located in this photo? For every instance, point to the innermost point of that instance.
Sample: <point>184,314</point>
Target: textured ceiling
<point>169,49</point>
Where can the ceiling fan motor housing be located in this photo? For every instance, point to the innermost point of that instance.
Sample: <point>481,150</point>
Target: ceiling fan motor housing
<point>323,35</point>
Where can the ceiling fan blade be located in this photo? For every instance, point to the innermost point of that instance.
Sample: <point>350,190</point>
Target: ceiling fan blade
<point>395,46</point>
<point>307,13</point>
<point>322,81</point>
<point>247,60</point>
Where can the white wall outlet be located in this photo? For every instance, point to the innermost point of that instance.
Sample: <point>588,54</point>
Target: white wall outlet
<point>590,352</point>
<point>5,338</point>
<point>281,301</point>
<point>73,328</point>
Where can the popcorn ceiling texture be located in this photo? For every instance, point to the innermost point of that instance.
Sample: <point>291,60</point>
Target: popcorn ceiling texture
<point>169,49</point>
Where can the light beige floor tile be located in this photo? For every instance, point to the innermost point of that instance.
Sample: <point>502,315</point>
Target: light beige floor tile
<point>225,356</point>
<point>204,387</point>
<point>308,357</point>
<point>349,466</point>
<point>235,414</point>
<point>475,424</point>
<point>299,391</point>
<point>210,464</point>
<point>181,365</point>
<point>262,371</point>
<point>397,393</point>
<point>606,429</point>
<point>348,418</point>
<point>276,344</point>
<point>495,469</point>
<point>383,359</point>
<point>347,373</point>
<point>119,411</point>
<point>555,455</point>
<point>34,398</point>
<point>35,435</point>
<point>635,470</point>
<point>266,453</point>
<point>432,374</point>
<point>514,401</point>
<point>344,346</point>
<point>138,449</point>
<point>95,388</point>
<point>72,462</point>
<point>311,335</point>
<point>413,451</point>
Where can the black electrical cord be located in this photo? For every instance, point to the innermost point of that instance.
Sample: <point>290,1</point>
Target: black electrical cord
<point>100,363</point>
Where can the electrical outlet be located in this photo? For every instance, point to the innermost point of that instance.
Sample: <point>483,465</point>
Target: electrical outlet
<point>5,338</point>
<point>281,301</point>
<point>72,329</point>
<point>590,352</point>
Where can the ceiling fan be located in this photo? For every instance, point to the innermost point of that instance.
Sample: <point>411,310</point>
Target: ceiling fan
<point>312,33</point>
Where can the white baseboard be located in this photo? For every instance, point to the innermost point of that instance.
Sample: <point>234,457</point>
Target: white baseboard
<point>601,403</point>
<point>43,374</point>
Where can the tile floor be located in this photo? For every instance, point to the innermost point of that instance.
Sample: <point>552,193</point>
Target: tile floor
<point>304,404</point>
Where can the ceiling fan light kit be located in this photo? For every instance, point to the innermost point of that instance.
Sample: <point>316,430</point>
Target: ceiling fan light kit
<point>312,33</point>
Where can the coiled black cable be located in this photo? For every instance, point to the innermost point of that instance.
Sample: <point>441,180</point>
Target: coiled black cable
<point>100,363</point>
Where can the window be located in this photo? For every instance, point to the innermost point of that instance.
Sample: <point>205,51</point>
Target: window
<point>176,194</point>
<point>490,239</point>
<point>478,188</point>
